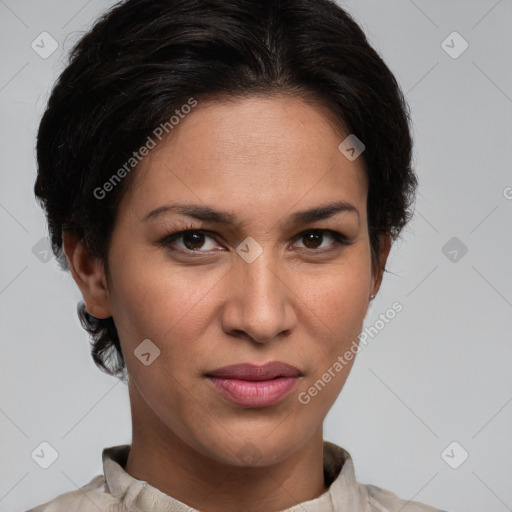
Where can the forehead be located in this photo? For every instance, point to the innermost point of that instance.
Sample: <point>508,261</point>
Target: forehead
<point>252,153</point>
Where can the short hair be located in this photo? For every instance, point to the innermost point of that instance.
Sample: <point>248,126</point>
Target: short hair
<point>144,59</point>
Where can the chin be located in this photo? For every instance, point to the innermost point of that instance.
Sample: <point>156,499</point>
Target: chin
<point>254,448</point>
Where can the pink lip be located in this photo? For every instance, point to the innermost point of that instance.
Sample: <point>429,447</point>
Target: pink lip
<point>250,385</point>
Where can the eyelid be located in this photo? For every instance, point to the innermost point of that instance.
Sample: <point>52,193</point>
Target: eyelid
<point>177,233</point>
<point>340,240</point>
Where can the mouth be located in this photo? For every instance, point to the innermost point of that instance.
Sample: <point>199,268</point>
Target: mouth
<point>249,385</point>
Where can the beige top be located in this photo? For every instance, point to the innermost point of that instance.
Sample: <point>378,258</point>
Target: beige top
<point>117,491</point>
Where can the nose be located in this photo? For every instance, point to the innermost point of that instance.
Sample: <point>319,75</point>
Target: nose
<point>260,302</point>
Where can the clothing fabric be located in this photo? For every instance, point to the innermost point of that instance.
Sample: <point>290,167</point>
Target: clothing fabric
<point>117,491</point>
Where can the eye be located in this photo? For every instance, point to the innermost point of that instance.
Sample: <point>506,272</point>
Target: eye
<point>314,237</point>
<point>192,240</point>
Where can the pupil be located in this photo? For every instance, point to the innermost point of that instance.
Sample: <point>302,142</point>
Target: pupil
<point>311,237</point>
<point>189,241</point>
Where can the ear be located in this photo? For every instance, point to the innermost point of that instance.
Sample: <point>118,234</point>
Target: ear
<point>378,271</point>
<point>89,274</point>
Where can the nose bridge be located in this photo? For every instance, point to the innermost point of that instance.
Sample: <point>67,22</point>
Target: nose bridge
<point>258,271</point>
<point>261,298</point>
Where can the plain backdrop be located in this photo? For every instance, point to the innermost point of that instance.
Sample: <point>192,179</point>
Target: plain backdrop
<point>433,387</point>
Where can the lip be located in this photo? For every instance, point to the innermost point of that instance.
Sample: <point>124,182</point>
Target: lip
<point>250,385</point>
<point>253,372</point>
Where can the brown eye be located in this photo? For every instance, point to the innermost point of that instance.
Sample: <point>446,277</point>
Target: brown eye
<point>193,239</point>
<point>314,238</point>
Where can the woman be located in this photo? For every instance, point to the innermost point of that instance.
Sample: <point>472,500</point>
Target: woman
<point>224,180</point>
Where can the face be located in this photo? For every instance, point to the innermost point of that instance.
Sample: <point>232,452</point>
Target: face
<point>267,286</point>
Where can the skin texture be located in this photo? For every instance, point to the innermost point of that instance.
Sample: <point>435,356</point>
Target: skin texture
<point>302,301</point>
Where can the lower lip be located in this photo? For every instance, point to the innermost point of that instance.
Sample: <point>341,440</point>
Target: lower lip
<point>255,393</point>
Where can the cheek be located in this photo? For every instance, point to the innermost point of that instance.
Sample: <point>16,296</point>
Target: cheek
<point>335,305</point>
<point>152,299</point>
<point>339,297</point>
<point>152,302</point>
<point>156,300</point>
<point>160,301</point>
<point>169,306</point>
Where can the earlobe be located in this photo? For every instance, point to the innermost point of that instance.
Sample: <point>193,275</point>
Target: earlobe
<point>89,274</point>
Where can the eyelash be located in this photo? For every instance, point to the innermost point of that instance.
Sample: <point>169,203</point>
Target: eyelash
<point>339,239</point>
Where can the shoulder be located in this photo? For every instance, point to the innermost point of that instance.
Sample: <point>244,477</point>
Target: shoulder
<point>350,494</point>
<point>381,500</point>
<point>80,499</point>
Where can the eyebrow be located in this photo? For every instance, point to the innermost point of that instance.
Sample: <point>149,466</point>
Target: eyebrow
<point>206,213</point>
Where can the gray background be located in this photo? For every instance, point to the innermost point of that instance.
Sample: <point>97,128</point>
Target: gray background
<point>438,373</point>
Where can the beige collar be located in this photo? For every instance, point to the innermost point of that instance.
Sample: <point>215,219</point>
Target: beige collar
<point>344,493</point>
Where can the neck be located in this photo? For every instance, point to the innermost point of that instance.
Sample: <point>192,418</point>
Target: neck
<point>161,458</point>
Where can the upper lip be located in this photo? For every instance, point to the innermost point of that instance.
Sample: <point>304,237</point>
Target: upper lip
<point>248,371</point>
